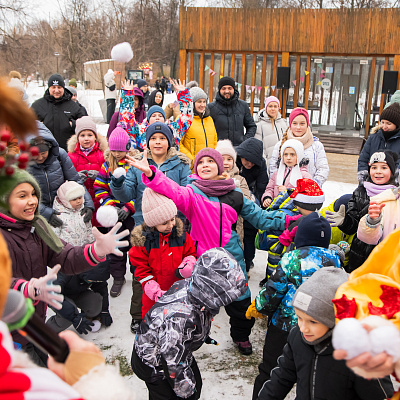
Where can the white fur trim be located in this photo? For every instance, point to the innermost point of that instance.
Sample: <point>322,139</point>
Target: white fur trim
<point>118,172</point>
<point>78,191</point>
<point>107,216</point>
<point>303,198</point>
<point>122,52</point>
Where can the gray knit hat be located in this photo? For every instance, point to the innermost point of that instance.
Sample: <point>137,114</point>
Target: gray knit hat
<point>314,297</point>
<point>85,123</point>
<point>197,93</point>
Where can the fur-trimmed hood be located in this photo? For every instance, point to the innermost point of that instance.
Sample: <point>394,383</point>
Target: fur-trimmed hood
<point>141,232</point>
<point>132,153</point>
<point>172,152</point>
<point>73,140</point>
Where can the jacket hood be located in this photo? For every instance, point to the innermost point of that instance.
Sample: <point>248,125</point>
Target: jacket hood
<point>73,140</point>
<point>45,133</point>
<point>152,96</point>
<point>225,102</point>
<point>217,280</point>
<point>262,115</point>
<point>252,150</point>
<point>137,92</point>
<point>172,152</point>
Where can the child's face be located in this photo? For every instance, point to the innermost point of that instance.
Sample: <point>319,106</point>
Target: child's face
<point>207,168</point>
<point>87,139</point>
<point>380,173</point>
<point>299,126</point>
<point>289,157</point>
<point>228,163</point>
<point>310,328</point>
<point>247,164</point>
<point>166,227</point>
<point>158,144</point>
<point>387,126</point>
<point>118,155</point>
<point>156,117</point>
<point>76,204</point>
<point>23,202</point>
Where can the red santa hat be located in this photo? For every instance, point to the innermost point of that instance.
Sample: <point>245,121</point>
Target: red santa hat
<point>308,195</point>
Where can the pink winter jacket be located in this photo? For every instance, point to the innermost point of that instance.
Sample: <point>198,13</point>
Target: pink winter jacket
<point>272,188</point>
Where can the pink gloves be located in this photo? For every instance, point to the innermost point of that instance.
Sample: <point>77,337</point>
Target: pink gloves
<point>152,290</point>
<point>185,269</point>
<point>289,219</point>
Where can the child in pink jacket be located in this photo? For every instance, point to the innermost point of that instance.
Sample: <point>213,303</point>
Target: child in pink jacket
<point>292,167</point>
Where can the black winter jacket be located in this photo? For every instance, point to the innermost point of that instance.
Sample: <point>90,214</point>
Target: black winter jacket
<point>231,117</point>
<point>318,375</point>
<point>57,114</point>
<point>357,208</point>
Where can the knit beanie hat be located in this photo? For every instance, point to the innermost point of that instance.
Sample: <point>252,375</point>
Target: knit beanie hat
<point>159,127</point>
<point>299,111</point>
<point>119,140</point>
<point>41,143</point>
<point>385,156</point>
<point>72,82</point>
<point>212,153</point>
<point>308,195</point>
<point>72,89</point>
<point>197,93</point>
<point>342,200</point>
<point>85,123</point>
<point>192,84</point>
<point>295,175</point>
<point>154,109</point>
<point>56,80</point>
<point>70,190</point>
<point>225,148</point>
<point>157,208</point>
<point>391,114</point>
<point>272,99</point>
<point>141,83</point>
<point>226,81</point>
<point>313,230</point>
<point>314,296</point>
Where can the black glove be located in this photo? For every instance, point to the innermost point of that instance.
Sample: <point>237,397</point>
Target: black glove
<point>83,175</point>
<point>105,318</point>
<point>117,181</point>
<point>87,214</point>
<point>123,214</point>
<point>54,220</point>
<point>92,174</point>
<point>82,324</point>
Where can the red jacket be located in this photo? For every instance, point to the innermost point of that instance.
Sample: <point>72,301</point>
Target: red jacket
<point>92,161</point>
<point>157,256</point>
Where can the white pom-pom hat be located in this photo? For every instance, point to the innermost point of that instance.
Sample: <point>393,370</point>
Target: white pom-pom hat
<point>107,216</point>
<point>122,52</point>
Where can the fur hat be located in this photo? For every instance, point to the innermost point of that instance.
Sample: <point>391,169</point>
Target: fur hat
<point>212,153</point>
<point>70,190</point>
<point>391,114</point>
<point>385,156</point>
<point>299,111</point>
<point>159,127</point>
<point>197,93</point>
<point>119,140</point>
<point>313,230</point>
<point>308,195</point>
<point>157,208</point>
<point>154,109</point>
<point>85,123</point>
<point>225,148</point>
<point>14,74</point>
<point>226,81</point>
<point>56,80</point>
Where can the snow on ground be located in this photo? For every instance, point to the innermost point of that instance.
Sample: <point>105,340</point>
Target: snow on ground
<point>226,373</point>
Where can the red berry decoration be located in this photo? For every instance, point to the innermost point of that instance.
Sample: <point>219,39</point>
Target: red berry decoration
<point>23,158</point>
<point>9,171</point>
<point>5,137</point>
<point>22,165</point>
<point>2,162</point>
<point>34,151</point>
<point>23,146</point>
<point>2,147</point>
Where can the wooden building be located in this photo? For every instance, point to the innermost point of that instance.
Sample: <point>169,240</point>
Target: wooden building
<point>336,57</point>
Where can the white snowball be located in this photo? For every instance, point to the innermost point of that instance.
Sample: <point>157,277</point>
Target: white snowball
<point>385,339</point>
<point>96,325</point>
<point>107,216</point>
<point>122,52</point>
<point>120,171</point>
<point>375,321</point>
<point>349,335</point>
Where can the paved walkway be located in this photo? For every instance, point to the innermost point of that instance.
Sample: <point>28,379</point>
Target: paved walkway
<point>342,167</point>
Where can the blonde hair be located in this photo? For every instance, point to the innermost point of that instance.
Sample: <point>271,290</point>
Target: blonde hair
<point>111,160</point>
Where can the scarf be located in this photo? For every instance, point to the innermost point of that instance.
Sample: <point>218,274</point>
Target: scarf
<point>374,189</point>
<point>87,151</point>
<point>307,139</point>
<point>215,188</point>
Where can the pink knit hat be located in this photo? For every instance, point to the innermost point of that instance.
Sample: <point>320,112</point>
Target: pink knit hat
<point>157,208</point>
<point>212,153</point>
<point>272,99</point>
<point>119,140</point>
<point>299,111</point>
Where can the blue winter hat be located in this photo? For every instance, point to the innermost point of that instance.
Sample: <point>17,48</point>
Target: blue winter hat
<point>158,127</point>
<point>154,109</point>
<point>313,230</point>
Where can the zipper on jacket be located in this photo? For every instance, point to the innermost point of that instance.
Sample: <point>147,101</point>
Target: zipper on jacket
<point>313,377</point>
<point>205,133</point>
<point>284,179</point>
<point>48,186</point>
<point>220,225</point>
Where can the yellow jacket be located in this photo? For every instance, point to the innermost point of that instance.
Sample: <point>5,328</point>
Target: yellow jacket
<point>201,134</point>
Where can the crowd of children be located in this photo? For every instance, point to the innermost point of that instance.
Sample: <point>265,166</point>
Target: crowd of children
<point>185,212</point>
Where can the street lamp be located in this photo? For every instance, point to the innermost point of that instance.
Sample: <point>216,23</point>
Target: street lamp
<point>57,55</point>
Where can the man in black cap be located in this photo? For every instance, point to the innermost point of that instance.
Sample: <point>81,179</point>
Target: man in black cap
<point>57,111</point>
<point>230,114</point>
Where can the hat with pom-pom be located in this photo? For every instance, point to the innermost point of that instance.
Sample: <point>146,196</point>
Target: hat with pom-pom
<point>225,148</point>
<point>197,93</point>
<point>212,153</point>
<point>157,208</point>
<point>119,140</point>
<point>308,195</point>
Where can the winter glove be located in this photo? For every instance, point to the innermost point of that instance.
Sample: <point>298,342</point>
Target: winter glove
<point>289,219</point>
<point>210,340</point>
<point>185,268</point>
<point>362,176</point>
<point>152,290</point>
<point>110,242</point>
<point>123,214</point>
<point>42,289</point>
<point>336,218</point>
<point>118,176</point>
<point>105,318</point>
<point>83,175</point>
<point>82,324</point>
<point>87,214</point>
<point>54,220</point>
<point>92,174</point>
<point>252,311</point>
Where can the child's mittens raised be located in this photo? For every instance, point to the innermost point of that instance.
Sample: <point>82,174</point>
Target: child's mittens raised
<point>291,218</point>
<point>253,313</point>
<point>185,268</point>
<point>336,218</point>
<point>153,290</point>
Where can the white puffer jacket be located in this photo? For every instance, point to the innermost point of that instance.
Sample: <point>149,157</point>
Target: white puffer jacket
<point>109,81</point>
<point>268,133</point>
<point>318,163</point>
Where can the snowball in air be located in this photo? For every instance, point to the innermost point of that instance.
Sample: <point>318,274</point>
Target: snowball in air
<point>107,216</point>
<point>118,172</point>
<point>122,52</point>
